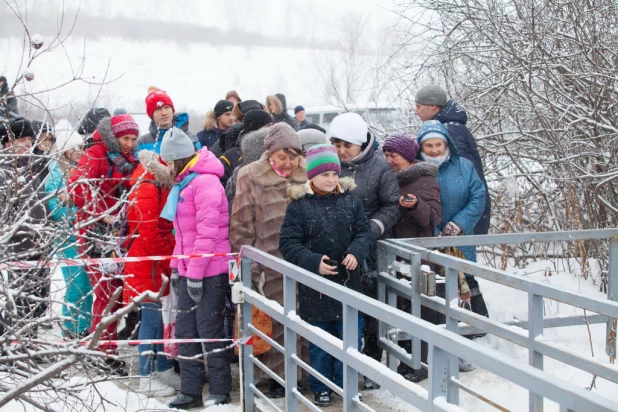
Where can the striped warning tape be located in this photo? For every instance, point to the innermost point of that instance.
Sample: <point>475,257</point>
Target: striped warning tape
<point>100,261</point>
<point>242,341</point>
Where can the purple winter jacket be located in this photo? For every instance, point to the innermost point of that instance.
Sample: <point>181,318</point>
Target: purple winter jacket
<point>202,220</point>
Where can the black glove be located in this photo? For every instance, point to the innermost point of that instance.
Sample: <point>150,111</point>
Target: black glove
<point>174,280</point>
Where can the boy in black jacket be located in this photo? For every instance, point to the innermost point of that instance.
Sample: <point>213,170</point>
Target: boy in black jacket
<point>325,221</point>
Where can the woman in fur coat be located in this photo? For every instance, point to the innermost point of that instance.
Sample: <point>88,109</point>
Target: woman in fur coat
<point>257,216</point>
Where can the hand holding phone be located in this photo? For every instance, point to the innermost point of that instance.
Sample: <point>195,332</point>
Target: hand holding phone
<point>328,266</point>
<point>408,201</point>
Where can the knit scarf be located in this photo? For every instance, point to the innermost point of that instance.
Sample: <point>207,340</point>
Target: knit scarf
<point>171,205</point>
<point>323,193</point>
<point>437,160</point>
<point>124,163</point>
<point>277,170</point>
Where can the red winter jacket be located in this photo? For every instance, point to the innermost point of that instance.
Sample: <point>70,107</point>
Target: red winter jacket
<point>149,234</point>
<point>94,183</point>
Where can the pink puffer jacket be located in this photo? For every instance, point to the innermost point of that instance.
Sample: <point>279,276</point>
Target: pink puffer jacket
<point>202,220</point>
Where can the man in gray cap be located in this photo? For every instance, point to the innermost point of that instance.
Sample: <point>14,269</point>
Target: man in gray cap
<point>432,103</point>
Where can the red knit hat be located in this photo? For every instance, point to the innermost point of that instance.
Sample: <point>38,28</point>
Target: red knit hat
<point>123,125</point>
<point>155,99</point>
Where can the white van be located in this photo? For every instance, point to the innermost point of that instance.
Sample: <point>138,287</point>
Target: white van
<point>380,117</point>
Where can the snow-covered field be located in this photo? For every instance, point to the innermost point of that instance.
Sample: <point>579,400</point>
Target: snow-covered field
<point>504,304</point>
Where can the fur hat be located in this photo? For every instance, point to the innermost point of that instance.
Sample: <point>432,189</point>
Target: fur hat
<point>252,145</point>
<point>20,127</point>
<point>176,145</point>
<point>311,137</point>
<point>431,95</point>
<point>223,106</point>
<point>403,144</point>
<point>322,158</point>
<point>91,120</point>
<point>282,136</point>
<point>349,127</point>
<point>157,98</point>
<point>256,119</point>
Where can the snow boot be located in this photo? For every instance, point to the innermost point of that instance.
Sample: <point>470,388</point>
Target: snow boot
<point>169,377</point>
<point>151,386</point>
<point>184,401</point>
<point>215,399</point>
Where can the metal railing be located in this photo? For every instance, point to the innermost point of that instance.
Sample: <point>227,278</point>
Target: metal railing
<point>445,346</point>
<point>393,255</point>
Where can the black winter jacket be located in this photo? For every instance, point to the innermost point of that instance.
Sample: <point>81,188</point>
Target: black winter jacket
<point>454,118</point>
<point>332,225</point>
<point>377,188</point>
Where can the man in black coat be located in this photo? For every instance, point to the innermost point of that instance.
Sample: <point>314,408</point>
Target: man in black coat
<point>432,103</point>
<point>24,214</point>
<point>217,121</point>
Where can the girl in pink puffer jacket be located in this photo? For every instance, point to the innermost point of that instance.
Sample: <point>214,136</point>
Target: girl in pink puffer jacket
<point>199,209</point>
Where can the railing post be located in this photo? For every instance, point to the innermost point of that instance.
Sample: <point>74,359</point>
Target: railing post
<point>415,298</point>
<point>289,343</point>
<point>452,324</point>
<point>438,374</point>
<point>350,340</point>
<point>535,330</point>
<point>247,350</point>
<point>385,259</point>
<point>612,294</point>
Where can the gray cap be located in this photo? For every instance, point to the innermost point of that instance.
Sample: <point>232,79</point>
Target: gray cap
<point>176,145</point>
<point>311,137</point>
<point>431,95</point>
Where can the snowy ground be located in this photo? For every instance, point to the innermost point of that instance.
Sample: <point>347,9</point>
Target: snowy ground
<point>504,304</point>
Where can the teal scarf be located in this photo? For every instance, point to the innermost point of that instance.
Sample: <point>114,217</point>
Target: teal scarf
<point>169,210</point>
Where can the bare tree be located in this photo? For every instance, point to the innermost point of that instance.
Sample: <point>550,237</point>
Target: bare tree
<point>540,80</point>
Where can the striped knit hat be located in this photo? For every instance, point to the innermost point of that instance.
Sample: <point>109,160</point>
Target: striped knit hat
<point>322,158</point>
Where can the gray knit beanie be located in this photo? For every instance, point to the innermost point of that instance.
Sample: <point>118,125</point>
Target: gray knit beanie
<point>282,136</point>
<point>176,145</point>
<point>311,137</point>
<point>431,95</point>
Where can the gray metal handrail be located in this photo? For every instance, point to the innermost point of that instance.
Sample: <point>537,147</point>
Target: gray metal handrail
<point>445,349</point>
<point>413,250</point>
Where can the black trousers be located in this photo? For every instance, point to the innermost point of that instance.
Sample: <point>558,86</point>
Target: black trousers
<point>203,320</point>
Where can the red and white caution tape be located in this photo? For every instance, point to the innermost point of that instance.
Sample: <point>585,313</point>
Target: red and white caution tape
<point>101,261</point>
<point>243,341</point>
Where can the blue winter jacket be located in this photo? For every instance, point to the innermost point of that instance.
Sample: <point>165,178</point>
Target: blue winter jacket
<point>152,140</point>
<point>454,118</point>
<point>462,193</point>
<point>55,183</point>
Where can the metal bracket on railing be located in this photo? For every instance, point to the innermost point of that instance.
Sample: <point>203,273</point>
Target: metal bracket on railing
<point>402,267</point>
<point>427,281</point>
<point>238,295</point>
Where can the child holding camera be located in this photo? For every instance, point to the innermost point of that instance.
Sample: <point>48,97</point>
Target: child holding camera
<point>326,232</point>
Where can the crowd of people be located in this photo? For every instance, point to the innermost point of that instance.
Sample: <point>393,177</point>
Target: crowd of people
<point>255,175</point>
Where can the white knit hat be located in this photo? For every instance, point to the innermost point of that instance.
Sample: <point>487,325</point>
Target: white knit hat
<point>66,137</point>
<point>349,127</point>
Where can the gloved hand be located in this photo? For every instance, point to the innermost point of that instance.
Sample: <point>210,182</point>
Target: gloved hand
<point>174,280</point>
<point>195,289</point>
<point>451,229</point>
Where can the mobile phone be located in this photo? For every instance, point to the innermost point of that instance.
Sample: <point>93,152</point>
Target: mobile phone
<point>331,262</point>
<point>409,198</point>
